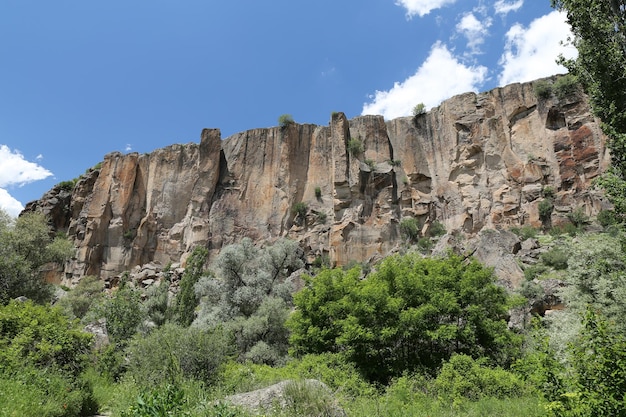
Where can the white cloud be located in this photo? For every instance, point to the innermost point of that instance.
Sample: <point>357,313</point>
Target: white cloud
<point>15,170</point>
<point>440,77</point>
<point>503,7</point>
<point>474,31</point>
<point>128,147</point>
<point>10,204</point>
<point>422,7</point>
<point>531,53</point>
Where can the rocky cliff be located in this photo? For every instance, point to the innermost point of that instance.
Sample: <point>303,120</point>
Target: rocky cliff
<point>477,161</point>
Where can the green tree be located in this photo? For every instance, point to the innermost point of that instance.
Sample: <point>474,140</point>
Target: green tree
<point>597,277</point>
<point>186,300</point>
<point>123,314</point>
<point>42,356</point>
<point>598,364</point>
<point>412,313</point>
<point>285,120</point>
<point>250,295</point>
<point>88,292</point>
<point>42,336</point>
<point>599,28</point>
<point>172,353</point>
<point>410,228</point>
<point>26,245</point>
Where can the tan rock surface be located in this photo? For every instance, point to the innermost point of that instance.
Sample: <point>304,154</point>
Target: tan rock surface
<point>477,161</point>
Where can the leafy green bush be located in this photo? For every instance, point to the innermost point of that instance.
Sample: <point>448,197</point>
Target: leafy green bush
<point>545,210</point>
<point>543,89</point>
<point>299,209</point>
<point>171,353</point>
<point>562,229</point>
<point>340,375</point>
<point>156,306</point>
<point>355,146</point>
<point>42,355</point>
<point>42,337</point>
<point>370,163</point>
<point>464,377</point>
<point>598,359</point>
<point>25,246</point>
<point>168,400</point>
<point>565,86</point>
<point>308,399</point>
<point>123,313</point>
<point>42,392</point>
<point>285,120</point>
<point>67,185</point>
<point>525,232</point>
<point>437,229</point>
<point>578,217</point>
<point>607,218</point>
<point>548,192</point>
<point>410,228</point>
<point>425,244</point>
<point>250,296</point>
<point>534,271</point>
<point>411,313</point>
<point>186,300</point>
<point>318,192</point>
<point>419,109</point>
<point>531,290</point>
<point>81,298</point>
<point>322,217</point>
<point>556,258</point>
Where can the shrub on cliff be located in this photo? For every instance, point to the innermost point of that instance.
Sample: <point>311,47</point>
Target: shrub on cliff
<point>355,146</point>
<point>285,120</point>
<point>419,109</point>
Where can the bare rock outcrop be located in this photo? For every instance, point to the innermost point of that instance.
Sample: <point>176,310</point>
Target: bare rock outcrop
<point>478,161</point>
<point>289,394</point>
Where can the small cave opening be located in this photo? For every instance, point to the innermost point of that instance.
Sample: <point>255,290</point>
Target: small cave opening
<point>555,119</point>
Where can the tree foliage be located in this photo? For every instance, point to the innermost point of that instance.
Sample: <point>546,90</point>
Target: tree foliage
<point>26,245</point>
<point>598,369</point>
<point>186,300</point>
<point>123,313</point>
<point>42,356</point>
<point>412,313</point>
<point>248,291</point>
<point>172,353</point>
<point>599,28</point>
<point>41,336</point>
<point>597,277</point>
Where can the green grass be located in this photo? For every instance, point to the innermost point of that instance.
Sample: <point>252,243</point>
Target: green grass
<point>428,407</point>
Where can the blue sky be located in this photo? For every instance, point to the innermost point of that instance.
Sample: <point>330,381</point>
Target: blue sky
<point>80,79</point>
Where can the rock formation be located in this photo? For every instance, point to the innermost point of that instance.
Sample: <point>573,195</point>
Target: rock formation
<point>478,161</point>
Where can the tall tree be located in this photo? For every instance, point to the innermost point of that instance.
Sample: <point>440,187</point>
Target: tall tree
<point>26,244</point>
<point>411,314</point>
<point>186,300</point>
<point>250,294</point>
<point>599,28</point>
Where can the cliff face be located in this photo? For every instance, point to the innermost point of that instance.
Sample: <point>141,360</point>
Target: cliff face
<point>477,161</point>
